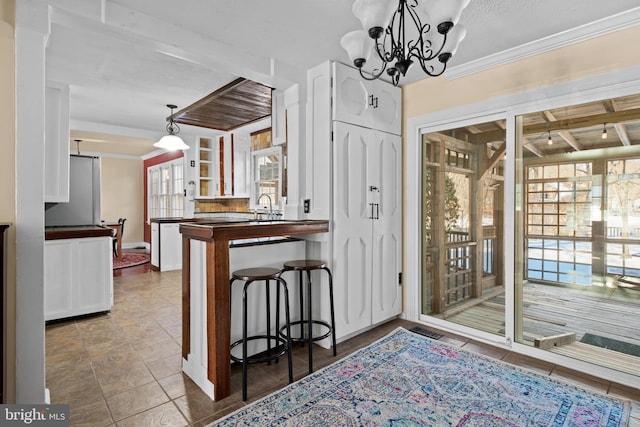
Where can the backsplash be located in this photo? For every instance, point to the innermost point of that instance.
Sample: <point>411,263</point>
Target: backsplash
<point>222,205</point>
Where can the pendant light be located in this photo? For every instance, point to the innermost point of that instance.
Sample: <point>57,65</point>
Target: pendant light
<point>171,141</point>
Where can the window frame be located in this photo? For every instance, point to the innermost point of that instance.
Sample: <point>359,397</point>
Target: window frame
<point>169,203</point>
<point>253,204</point>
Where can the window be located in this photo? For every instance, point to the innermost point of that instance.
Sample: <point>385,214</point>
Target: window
<point>266,173</point>
<point>165,183</point>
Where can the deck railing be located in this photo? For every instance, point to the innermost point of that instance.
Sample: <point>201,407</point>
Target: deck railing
<point>632,233</point>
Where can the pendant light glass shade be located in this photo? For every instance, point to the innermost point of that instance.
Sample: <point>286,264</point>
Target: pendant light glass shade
<point>373,13</point>
<point>455,36</point>
<point>358,45</point>
<point>172,141</point>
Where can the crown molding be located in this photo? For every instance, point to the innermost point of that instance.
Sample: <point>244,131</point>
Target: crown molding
<point>584,32</point>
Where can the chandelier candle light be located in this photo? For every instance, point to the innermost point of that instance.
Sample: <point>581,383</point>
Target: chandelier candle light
<point>172,141</point>
<point>401,38</point>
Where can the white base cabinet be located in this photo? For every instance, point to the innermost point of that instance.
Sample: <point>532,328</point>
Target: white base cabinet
<point>166,246</point>
<point>78,277</point>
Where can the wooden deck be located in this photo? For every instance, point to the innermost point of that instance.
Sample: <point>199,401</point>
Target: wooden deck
<point>553,310</point>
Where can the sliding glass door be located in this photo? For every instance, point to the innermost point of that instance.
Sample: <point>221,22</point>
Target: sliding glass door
<point>578,247</point>
<point>462,224</point>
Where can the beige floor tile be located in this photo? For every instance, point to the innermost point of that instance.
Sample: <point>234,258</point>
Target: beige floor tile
<point>222,413</point>
<point>124,379</point>
<point>159,350</point>
<point>95,414</point>
<point>175,331</point>
<point>166,415</point>
<point>100,352</point>
<point>64,346</point>
<point>76,393</point>
<point>69,372</point>
<point>136,400</point>
<point>149,337</point>
<point>178,385</point>
<point>197,406</point>
<point>166,366</point>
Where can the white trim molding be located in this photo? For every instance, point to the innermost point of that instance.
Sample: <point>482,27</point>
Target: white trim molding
<point>584,32</point>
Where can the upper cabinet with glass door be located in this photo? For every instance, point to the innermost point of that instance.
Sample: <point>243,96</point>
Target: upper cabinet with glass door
<point>208,164</point>
<point>222,167</point>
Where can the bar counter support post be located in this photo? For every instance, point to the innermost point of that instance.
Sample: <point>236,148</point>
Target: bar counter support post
<point>218,318</point>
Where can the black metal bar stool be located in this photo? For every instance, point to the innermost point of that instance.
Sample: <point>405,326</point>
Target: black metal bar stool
<point>283,344</point>
<point>308,265</point>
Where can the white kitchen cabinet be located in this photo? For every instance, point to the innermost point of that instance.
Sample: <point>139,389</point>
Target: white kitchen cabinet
<point>208,168</point>
<point>226,156</point>
<point>354,178</point>
<point>242,167</point>
<point>367,218</point>
<point>218,162</point>
<point>56,143</point>
<point>78,277</point>
<point>278,118</point>
<point>166,246</point>
<point>170,247</point>
<point>155,245</point>
<point>372,104</point>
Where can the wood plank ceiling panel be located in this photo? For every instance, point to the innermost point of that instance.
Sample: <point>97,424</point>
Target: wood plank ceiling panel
<point>237,104</point>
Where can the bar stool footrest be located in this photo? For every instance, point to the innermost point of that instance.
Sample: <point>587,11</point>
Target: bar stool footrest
<point>278,351</point>
<point>306,322</point>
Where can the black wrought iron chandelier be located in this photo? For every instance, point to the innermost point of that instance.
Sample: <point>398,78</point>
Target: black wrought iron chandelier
<point>402,38</point>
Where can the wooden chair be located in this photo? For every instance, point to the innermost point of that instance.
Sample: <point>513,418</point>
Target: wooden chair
<point>116,237</point>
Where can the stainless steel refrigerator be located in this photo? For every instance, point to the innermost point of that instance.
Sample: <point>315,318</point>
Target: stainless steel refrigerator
<point>84,195</point>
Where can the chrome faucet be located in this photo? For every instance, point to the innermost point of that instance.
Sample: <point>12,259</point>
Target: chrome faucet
<point>270,204</point>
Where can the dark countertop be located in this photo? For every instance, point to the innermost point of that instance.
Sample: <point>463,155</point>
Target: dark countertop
<point>247,229</point>
<point>170,220</point>
<point>207,220</point>
<point>76,232</point>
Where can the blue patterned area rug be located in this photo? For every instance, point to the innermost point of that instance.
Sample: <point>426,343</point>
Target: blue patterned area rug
<point>406,379</point>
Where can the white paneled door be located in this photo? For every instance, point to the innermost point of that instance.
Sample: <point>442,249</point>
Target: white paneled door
<point>367,226</point>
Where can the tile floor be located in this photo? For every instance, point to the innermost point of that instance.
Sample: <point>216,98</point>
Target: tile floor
<point>123,368</point>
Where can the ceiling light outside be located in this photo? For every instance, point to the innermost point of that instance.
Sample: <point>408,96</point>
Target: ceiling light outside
<point>604,131</point>
<point>171,142</point>
<point>401,38</point>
